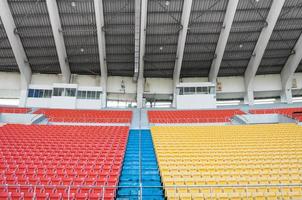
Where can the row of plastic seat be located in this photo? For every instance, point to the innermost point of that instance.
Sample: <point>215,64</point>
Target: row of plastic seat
<point>215,195</point>
<point>74,157</point>
<point>86,116</point>
<point>13,110</point>
<point>192,116</point>
<point>214,156</point>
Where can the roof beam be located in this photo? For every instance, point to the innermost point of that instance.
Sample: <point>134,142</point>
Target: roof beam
<point>185,18</point>
<point>99,15</point>
<point>288,71</point>
<point>143,9</point>
<point>137,25</point>
<point>16,44</point>
<point>223,39</point>
<point>56,26</point>
<point>259,50</point>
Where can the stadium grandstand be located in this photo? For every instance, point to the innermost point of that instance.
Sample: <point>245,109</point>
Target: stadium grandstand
<point>151,99</point>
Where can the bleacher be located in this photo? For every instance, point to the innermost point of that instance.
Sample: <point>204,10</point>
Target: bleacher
<point>192,116</point>
<point>13,110</point>
<point>230,162</point>
<point>54,162</point>
<point>295,113</point>
<point>86,116</point>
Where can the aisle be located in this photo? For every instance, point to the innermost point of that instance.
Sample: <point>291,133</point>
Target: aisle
<point>138,172</point>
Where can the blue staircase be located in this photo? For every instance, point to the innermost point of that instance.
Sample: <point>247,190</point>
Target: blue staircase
<point>138,172</point>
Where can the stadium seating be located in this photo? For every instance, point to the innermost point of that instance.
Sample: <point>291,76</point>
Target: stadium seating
<point>87,116</point>
<point>140,166</point>
<point>13,110</point>
<point>192,116</point>
<point>53,162</point>
<point>230,162</point>
<point>295,113</point>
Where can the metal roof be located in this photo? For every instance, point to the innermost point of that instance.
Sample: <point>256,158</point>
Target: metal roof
<point>80,36</point>
<point>119,34</point>
<point>249,20</point>
<point>33,26</point>
<point>7,59</point>
<point>162,34</point>
<point>285,35</point>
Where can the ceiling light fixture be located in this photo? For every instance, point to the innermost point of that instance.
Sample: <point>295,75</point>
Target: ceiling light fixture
<point>73,4</point>
<point>167,3</point>
<point>82,50</point>
<point>241,45</point>
<point>161,48</point>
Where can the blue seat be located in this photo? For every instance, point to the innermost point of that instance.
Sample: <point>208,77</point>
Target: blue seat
<point>131,168</point>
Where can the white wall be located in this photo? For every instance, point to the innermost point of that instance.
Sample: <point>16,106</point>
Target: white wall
<point>46,79</point>
<point>232,87</point>
<point>159,85</point>
<point>9,85</point>
<point>261,83</point>
<point>196,101</point>
<point>87,80</point>
<point>114,84</point>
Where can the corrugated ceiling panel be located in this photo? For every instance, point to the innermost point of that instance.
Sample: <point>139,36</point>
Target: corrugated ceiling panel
<point>159,65</point>
<point>161,40</point>
<point>195,71</point>
<point>33,24</point>
<point>198,57</point>
<point>232,71</point>
<point>119,34</point>
<point>286,32</point>
<point>204,30</point>
<point>158,73</point>
<point>79,30</point>
<point>196,64</point>
<point>249,19</point>
<point>249,4</point>
<point>163,26</point>
<point>276,69</point>
<point>235,66</point>
<point>7,59</point>
<point>202,38</point>
<point>160,58</point>
<point>120,69</point>
<point>198,48</point>
<point>156,49</point>
<point>86,68</point>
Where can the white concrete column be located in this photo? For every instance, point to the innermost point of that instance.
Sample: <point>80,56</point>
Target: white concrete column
<point>15,42</point>
<point>142,44</point>
<point>223,39</point>
<point>59,39</point>
<point>185,18</point>
<point>259,50</point>
<point>99,15</point>
<point>288,72</point>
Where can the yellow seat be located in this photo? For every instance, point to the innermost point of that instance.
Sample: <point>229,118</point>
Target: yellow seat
<point>230,155</point>
<point>234,196</point>
<point>197,196</point>
<point>222,196</point>
<point>185,196</point>
<point>182,190</point>
<point>194,190</point>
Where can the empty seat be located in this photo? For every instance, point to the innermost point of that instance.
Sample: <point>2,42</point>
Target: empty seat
<point>230,162</point>
<point>192,116</point>
<point>59,159</point>
<point>13,110</point>
<point>87,116</point>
